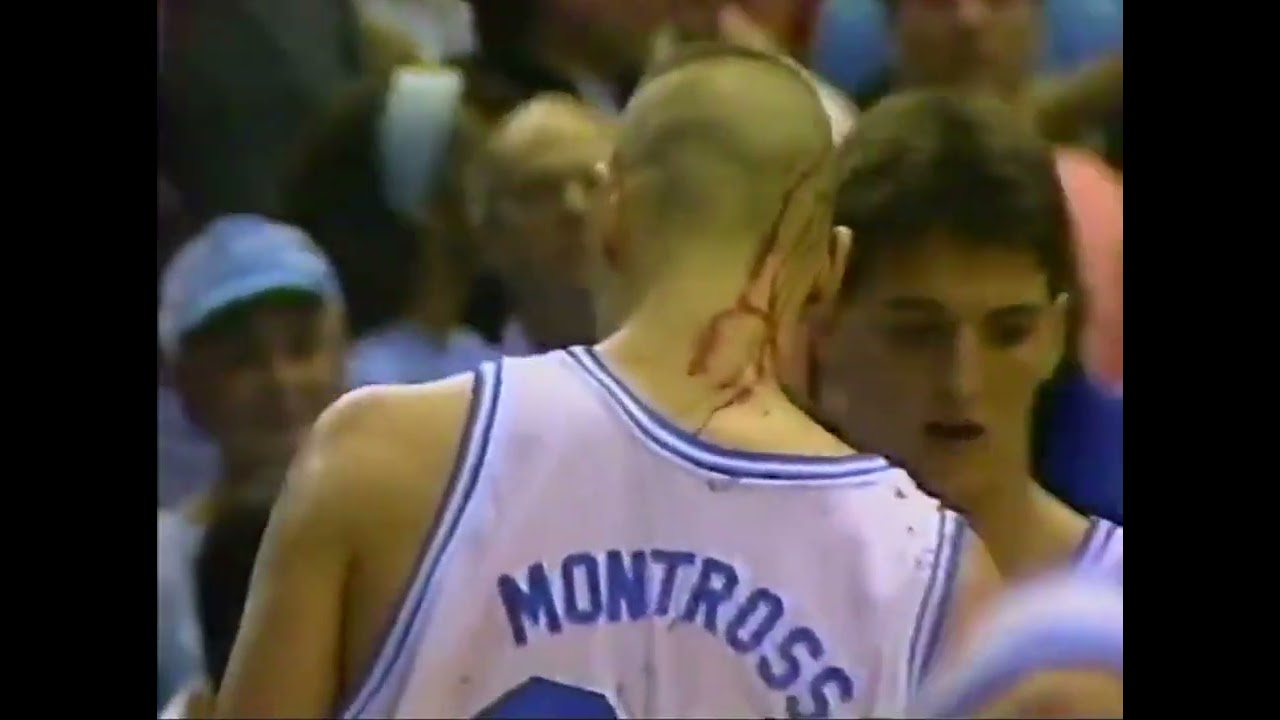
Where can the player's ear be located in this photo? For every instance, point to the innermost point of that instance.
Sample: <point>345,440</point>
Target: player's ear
<point>836,260</point>
<point>1057,323</point>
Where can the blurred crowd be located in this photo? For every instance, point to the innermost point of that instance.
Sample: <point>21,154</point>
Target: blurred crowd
<point>356,192</point>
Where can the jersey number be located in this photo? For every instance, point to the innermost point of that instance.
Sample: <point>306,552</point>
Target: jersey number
<point>542,699</point>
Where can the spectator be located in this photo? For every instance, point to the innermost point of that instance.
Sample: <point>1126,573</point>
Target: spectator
<point>974,44</point>
<point>379,182</point>
<point>178,656</point>
<point>595,50</point>
<point>955,312</point>
<point>186,458</point>
<point>1080,421</point>
<point>788,23</point>
<point>587,48</point>
<point>251,321</point>
<point>223,567</point>
<point>768,26</point>
<point>239,80</point>
<point>997,47</point>
<point>531,202</point>
<point>1095,196</point>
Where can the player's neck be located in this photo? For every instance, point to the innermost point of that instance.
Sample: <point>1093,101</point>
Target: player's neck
<point>698,356</point>
<point>1026,529</point>
<point>707,327</point>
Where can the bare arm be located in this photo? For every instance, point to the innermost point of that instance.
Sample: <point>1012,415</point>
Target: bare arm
<point>287,658</point>
<point>371,476</point>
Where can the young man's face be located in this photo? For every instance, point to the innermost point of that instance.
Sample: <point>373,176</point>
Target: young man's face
<point>937,358</point>
<point>260,373</point>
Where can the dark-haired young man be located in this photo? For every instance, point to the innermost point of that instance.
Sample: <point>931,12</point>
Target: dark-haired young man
<point>954,312</point>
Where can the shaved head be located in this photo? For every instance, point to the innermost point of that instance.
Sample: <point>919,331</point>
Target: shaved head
<point>721,191</point>
<point>717,135</point>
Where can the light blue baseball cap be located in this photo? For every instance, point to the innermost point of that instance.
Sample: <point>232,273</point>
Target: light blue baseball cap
<point>236,258</point>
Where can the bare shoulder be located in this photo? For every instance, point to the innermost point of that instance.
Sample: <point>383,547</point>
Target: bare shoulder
<point>387,414</point>
<point>377,445</point>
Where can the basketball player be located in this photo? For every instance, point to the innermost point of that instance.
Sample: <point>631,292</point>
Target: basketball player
<point>1052,649</point>
<point>953,314</point>
<point>647,528</point>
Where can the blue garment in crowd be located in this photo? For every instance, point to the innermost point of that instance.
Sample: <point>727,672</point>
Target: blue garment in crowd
<point>853,48</point>
<point>180,659</point>
<point>401,353</point>
<point>187,461</point>
<point>1083,454</point>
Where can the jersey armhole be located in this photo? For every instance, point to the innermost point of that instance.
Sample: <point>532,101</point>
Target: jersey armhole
<point>1046,650</point>
<point>389,661</point>
<point>936,600</point>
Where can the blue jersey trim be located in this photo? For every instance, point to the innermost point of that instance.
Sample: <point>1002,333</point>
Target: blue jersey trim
<point>1098,549</point>
<point>927,633</point>
<point>673,440</point>
<point>462,484</point>
<point>1102,542</point>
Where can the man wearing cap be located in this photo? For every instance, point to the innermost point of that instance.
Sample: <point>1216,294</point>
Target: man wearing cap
<point>252,325</point>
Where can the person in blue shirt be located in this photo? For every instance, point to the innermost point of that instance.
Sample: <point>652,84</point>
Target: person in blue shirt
<point>252,326</point>
<point>1078,435</point>
<point>1058,58</point>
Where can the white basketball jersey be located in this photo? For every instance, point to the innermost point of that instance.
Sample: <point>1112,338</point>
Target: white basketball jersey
<point>1062,622</point>
<point>593,560</point>
<point>1102,550</point>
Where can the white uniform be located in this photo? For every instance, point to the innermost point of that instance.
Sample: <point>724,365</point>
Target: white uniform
<point>1102,550</point>
<point>594,560</point>
<point>1063,622</point>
